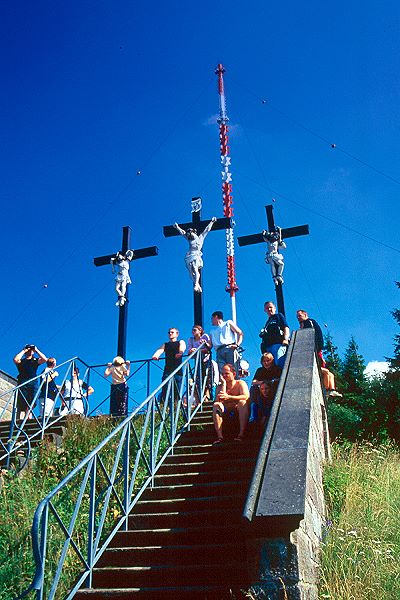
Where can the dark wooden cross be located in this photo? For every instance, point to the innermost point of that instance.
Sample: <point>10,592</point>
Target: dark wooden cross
<point>199,225</point>
<point>258,238</point>
<point>123,310</point>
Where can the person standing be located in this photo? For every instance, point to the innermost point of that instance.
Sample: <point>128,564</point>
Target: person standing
<point>275,334</point>
<point>75,394</point>
<point>226,337</point>
<point>49,391</point>
<point>27,364</point>
<point>174,350</point>
<point>119,370</point>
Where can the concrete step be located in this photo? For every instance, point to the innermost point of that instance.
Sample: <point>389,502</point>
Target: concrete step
<point>183,554</point>
<point>195,490</point>
<point>184,518</point>
<point>177,535</point>
<point>192,592</point>
<point>228,501</point>
<point>161,575</point>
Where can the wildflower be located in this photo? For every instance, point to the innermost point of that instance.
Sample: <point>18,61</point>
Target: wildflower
<point>353,532</point>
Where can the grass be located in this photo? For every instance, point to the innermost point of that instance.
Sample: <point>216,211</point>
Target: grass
<point>21,495</point>
<point>49,465</point>
<point>361,550</point>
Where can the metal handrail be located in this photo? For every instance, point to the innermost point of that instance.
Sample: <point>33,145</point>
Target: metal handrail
<point>20,433</point>
<point>109,482</point>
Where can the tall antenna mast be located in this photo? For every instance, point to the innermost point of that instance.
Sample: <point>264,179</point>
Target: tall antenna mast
<point>223,121</point>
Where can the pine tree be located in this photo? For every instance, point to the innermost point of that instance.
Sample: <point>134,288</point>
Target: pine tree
<point>331,355</point>
<point>353,369</point>
<point>395,361</point>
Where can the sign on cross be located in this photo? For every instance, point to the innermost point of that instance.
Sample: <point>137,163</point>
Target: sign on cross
<point>274,237</point>
<point>195,232</point>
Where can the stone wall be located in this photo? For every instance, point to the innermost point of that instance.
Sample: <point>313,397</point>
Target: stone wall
<point>6,383</point>
<point>287,512</point>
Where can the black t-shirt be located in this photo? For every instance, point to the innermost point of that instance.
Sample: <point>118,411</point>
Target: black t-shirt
<point>263,374</point>
<point>171,362</point>
<point>319,338</point>
<point>273,331</point>
<point>27,369</point>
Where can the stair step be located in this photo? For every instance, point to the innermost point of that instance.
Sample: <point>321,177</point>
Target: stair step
<point>201,503</point>
<point>184,518</point>
<point>204,574</point>
<point>193,490</point>
<point>167,554</point>
<point>176,535</point>
<point>194,592</point>
<point>237,472</point>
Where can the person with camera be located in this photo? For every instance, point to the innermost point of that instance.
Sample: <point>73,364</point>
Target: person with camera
<point>275,334</point>
<point>27,364</point>
<point>119,370</point>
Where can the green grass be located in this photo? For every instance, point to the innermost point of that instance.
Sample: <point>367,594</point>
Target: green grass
<point>21,495</point>
<point>361,550</point>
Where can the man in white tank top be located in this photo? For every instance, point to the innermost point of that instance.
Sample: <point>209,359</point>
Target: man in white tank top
<point>225,338</point>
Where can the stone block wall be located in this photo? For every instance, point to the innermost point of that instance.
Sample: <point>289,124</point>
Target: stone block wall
<point>285,529</point>
<point>6,384</point>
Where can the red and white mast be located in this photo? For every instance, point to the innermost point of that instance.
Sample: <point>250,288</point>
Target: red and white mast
<point>223,120</point>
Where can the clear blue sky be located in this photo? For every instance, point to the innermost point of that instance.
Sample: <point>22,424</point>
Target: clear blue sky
<point>93,92</point>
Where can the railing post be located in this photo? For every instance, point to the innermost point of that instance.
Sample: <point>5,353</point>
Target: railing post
<point>43,546</point>
<point>126,473</point>
<point>152,417</point>
<point>91,522</point>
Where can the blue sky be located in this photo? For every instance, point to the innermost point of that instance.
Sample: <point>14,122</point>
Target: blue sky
<point>95,91</point>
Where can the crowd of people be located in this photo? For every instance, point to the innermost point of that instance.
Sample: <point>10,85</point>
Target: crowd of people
<point>73,393</point>
<point>223,342</point>
<point>232,393</point>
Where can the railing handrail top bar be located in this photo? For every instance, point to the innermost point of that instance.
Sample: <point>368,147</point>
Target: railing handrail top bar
<point>142,360</point>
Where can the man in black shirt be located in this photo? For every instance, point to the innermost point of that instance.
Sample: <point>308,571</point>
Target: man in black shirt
<point>275,334</point>
<point>173,350</point>
<point>306,322</point>
<point>27,365</point>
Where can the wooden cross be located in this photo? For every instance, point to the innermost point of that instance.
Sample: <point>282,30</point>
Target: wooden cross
<point>199,225</point>
<point>123,310</point>
<point>263,237</point>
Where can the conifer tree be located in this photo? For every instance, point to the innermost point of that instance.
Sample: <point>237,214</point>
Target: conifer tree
<point>331,355</point>
<point>395,361</point>
<point>353,369</point>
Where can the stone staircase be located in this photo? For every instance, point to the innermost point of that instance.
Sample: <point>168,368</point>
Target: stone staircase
<point>185,537</point>
<point>31,427</point>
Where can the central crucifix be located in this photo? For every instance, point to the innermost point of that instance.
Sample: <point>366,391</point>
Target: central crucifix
<point>274,237</point>
<point>195,233</point>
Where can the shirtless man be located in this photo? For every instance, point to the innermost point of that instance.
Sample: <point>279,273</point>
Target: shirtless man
<point>193,257</point>
<point>232,393</point>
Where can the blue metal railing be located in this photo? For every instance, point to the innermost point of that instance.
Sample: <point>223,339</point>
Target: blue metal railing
<point>37,420</point>
<point>76,521</point>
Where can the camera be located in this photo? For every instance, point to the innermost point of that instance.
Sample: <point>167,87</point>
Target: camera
<point>30,347</point>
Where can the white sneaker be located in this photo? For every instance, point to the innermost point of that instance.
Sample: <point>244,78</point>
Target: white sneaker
<point>334,394</point>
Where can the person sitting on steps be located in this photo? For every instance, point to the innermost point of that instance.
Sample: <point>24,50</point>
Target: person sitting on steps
<point>232,394</point>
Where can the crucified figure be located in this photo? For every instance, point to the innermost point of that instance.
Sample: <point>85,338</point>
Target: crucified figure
<point>193,257</point>
<point>122,279</point>
<point>273,257</point>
